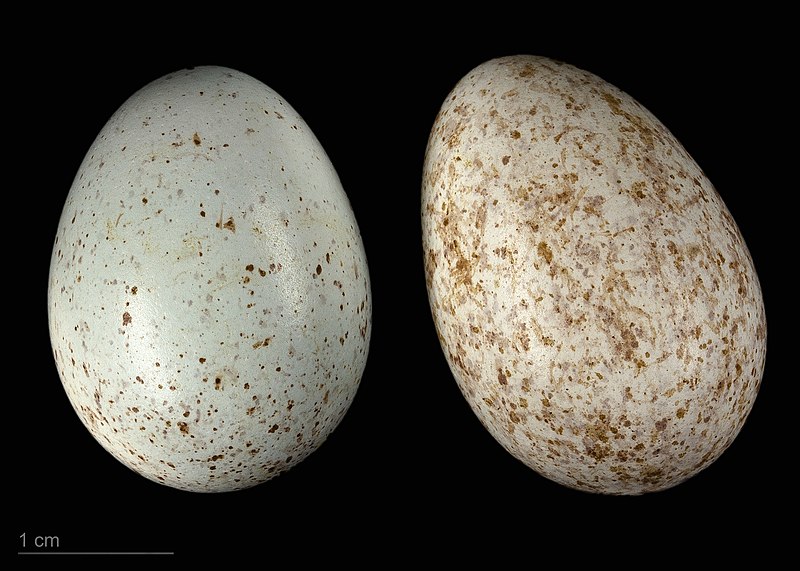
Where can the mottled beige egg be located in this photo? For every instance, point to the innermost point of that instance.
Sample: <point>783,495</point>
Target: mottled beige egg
<point>593,296</point>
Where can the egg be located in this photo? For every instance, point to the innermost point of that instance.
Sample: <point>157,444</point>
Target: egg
<point>209,298</point>
<point>593,296</point>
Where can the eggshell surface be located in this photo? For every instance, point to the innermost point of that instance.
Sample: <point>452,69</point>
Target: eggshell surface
<point>209,298</point>
<point>593,296</point>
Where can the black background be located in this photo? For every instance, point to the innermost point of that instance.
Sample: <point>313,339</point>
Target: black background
<point>410,466</point>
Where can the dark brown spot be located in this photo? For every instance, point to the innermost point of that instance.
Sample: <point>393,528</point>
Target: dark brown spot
<point>196,139</point>
<point>126,319</point>
<point>545,252</point>
<point>651,475</point>
<point>597,437</point>
<point>501,377</point>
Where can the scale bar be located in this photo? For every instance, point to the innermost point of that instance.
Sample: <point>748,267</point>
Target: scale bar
<point>95,553</point>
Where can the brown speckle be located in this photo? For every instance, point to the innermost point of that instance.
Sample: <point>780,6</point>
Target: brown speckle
<point>501,377</point>
<point>545,252</point>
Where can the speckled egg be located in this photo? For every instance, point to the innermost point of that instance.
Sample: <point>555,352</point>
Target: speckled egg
<point>209,301</point>
<point>593,296</point>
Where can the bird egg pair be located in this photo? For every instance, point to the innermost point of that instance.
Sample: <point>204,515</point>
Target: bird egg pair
<point>209,298</point>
